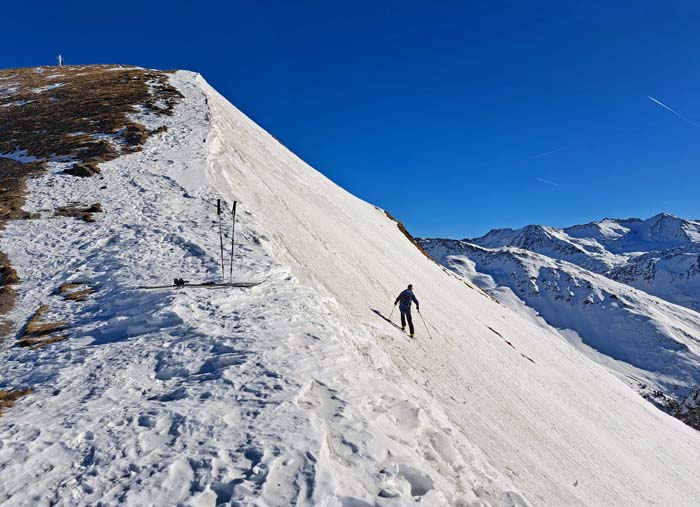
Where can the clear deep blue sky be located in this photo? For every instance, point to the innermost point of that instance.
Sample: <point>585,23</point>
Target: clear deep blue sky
<point>444,113</point>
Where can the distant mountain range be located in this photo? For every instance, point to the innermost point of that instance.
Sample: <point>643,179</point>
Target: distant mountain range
<point>627,292</point>
<point>660,255</point>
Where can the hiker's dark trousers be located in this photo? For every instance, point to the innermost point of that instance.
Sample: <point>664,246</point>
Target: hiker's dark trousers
<point>406,316</point>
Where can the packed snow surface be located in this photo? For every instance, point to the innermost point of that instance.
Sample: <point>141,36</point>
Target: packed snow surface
<point>294,392</point>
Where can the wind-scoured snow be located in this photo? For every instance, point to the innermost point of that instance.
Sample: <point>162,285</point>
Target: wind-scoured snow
<point>294,392</point>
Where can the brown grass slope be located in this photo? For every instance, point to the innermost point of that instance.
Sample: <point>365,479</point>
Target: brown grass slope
<point>77,114</point>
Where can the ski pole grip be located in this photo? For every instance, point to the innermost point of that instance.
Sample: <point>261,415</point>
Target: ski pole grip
<point>234,206</point>
<point>218,206</point>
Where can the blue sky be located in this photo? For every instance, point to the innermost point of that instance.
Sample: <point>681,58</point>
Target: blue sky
<point>448,114</point>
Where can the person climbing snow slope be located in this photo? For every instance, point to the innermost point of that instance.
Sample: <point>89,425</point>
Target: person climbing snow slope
<point>404,301</point>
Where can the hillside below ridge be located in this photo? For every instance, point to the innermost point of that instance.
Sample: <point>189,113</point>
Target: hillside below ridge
<point>222,396</point>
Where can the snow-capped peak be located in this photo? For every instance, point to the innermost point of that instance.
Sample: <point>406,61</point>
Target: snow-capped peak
<point>630,235</point>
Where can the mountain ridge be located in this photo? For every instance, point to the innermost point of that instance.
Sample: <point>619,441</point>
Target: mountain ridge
<point>633,260</point>
<point>623,249</point>
<point>294,392</point>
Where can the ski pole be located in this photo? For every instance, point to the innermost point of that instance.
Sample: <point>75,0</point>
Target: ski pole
<point>221,239</point>
<point>392,311</point>
<point>233,235</point>
<point>426,325</point>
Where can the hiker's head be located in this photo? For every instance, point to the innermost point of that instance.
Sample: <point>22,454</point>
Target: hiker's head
<point>410,286</point>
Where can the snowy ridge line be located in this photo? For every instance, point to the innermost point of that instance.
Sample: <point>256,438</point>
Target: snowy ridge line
<point>445,485</point>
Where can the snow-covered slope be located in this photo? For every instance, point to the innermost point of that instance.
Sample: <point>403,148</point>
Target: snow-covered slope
<point>295,392</point>
<point>672,274</point>
<point>658,255</point>
<point>660,232</point>
<point>652,344</point>
<point>555,243</point>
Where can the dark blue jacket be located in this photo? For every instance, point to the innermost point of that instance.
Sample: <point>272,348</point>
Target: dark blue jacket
<point>405,299</point>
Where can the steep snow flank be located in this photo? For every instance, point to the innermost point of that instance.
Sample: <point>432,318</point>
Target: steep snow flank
<point>199,396</point>
<point>566,431</point>
<point>655,345</point>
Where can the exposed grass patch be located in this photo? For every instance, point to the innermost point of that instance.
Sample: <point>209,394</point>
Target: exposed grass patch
<point>73,291</point>
<point>87,119</point>
<point>83,213</point>
<point>85,170</point>
<point>405,232</point>
<point>78,114</point>
<point>8,275</point>
<point>67,288</point>
<point>8,278</point>
<point>8,398</point>
<point>35,327</point>
<point>36,333</point>
<point>40,343</point>
<point>13,177</point>
<point>12,188</point>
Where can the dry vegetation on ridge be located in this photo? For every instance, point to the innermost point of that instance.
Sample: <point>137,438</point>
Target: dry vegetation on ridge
<point>79,113</point>
<point>8,398</point>
<point>81,116</point>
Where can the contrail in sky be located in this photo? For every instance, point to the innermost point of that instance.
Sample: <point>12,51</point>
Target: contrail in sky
<point>547,182</point>
<point>547,153</point>
<point>674,112</point>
